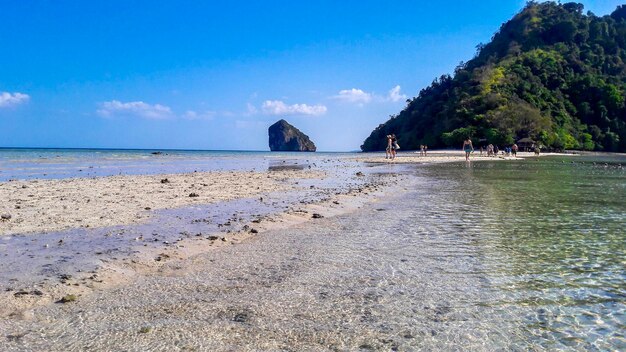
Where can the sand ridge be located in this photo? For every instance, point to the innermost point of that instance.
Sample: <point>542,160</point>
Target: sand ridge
<point>36,206</point>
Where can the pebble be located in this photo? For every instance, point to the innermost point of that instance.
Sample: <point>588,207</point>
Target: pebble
<point>5,216</point>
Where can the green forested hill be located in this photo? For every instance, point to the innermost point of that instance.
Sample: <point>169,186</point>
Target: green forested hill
<point>552,73</point>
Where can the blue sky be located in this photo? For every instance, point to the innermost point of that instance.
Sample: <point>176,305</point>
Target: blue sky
<point>216,74</point>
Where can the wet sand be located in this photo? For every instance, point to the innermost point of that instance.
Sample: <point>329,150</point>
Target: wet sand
<point>36,206</point>
<point>152,223</point>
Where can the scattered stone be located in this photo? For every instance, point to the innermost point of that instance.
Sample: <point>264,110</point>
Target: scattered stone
<point>254,231</point>
<point>212,238</point>
<point>241,317</point>
<point>164,180</point>
<point>5,217</point>
<point>335,202</point>
<point>145,330</point>
<point>360,173</point>
<point>148,208</point>
<point>16,337</point>
<point>67,299</point>
<point>161,257</point>
<point>193,195</point>
<point>317,216</point>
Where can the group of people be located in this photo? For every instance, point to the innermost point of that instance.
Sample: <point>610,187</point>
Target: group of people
<point>494,150</point>
<point>468,148</point>
<point>392,146</point>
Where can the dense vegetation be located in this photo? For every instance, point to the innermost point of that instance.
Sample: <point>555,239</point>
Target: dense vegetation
<point>552,73</point>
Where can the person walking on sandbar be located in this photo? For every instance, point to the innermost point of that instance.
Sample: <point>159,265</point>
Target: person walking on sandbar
<point>468,148</point>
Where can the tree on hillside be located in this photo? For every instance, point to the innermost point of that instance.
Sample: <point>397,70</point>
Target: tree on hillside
<point>551,73</point>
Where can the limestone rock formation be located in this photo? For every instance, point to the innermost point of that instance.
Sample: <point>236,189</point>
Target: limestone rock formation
<point>286,138</point>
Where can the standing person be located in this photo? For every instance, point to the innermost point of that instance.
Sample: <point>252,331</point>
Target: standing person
<point>514,150</point>
<point>425,149</point>
<point>468,148</point>
<point>388,150</point>
<point>421,150</point>
<point>394,146</point>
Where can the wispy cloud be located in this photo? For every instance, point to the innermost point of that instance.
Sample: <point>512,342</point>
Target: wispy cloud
<point>361,97</point>
<point>395,95</point>
<point>134,108</point>
<point>277,107</point>
<point>354,96</point>
<point>250,110</point>
<point>11,99</point>
<point>193,115</point>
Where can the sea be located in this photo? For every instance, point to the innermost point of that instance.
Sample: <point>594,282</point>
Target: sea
<point>26,163</point>
<point>490,255</point>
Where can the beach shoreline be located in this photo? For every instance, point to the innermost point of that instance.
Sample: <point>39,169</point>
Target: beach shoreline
<point>134,224</point>
<point>450,156</point>
<point>156,224</point>
<point>316,262</point>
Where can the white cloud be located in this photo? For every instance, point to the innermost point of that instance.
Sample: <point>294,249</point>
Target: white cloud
<point>360,97</point>
<point>395,96</point>
<point>193,115</point>
<point>277,107</point>
<point>136,108</point>
<point>11,99</point>
<point>354,96</point>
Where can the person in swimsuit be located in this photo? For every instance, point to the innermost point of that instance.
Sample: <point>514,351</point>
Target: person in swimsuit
<point>388,150</point>
<point>394,145</point>
<point>468,148</point>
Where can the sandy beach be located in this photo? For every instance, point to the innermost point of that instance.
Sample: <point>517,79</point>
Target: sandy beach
<point>82,235</point>
<point>37,206</point>
<point>447,156</point>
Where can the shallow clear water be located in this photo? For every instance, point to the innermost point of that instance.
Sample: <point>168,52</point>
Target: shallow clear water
<point>551,235</point>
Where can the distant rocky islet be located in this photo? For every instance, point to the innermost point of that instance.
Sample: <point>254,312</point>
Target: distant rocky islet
<point>286,138</point>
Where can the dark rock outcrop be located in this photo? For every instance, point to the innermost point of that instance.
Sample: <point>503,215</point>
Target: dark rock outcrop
<point>286,138</point>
